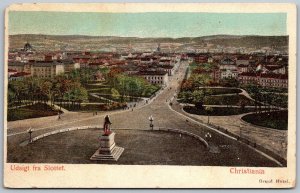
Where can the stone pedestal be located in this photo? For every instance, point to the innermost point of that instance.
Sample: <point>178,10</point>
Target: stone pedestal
<point>108,150</point>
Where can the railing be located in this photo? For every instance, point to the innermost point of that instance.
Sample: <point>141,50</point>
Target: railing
<point>97,127</point>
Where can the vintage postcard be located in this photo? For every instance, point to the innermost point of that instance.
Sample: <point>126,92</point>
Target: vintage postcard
<point>150,96</point>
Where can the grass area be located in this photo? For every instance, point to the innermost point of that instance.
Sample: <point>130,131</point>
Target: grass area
<point>219,91</point>
<point>93,99</point>
<point>100,90</point>
<point>276,120</point>
<point>120,98</point>
<point>193,66</point>
<point>228,100</point>
<point>14,104</point>
<point>218,111</point>
<point>141,148</point>
<point>33,111</point>
<point>94,107</point>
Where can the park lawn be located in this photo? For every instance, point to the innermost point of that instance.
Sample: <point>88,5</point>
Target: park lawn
<point>28,112</point>
<point>220,91</point>
<point>218,111</point>
<point>88,107</point>
<point>94,107</point>
<point>276,120</point>
<point>228,100</point>
<point>100,90</point>
<point>120,98</point>
<point>93,99</point>
<point>89,87</point>
<point>193,66</point>
<point>17,103</point>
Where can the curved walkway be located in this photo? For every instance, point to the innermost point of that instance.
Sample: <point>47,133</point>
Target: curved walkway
<point>274,140</point>
<point>203,141</point>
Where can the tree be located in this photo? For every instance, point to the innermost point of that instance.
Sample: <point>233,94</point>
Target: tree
<point>208,110</point>
<point>19,89</point>
<point>46,89</point>
<point>198,98</point>
<point>104,71</point>
<point>199,80</point>
<point>115,94</point>
<point>185,96</point>
<point>61,86</point>
<point>254,91</point>
<point>187,85</point>
<point>229,82</point>
<point>11,95</point>
<point>148,90</point>
<point>242,105</point>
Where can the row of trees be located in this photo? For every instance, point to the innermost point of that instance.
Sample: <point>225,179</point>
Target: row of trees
<point>128,86</point>
<point>62,88</point>
<point>268,99</point>
<point>196,97</point>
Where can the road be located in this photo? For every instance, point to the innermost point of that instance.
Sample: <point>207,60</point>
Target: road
<point>137,119</point>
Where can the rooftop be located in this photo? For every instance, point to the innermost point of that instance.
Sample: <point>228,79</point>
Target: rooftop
<point>160,73</point>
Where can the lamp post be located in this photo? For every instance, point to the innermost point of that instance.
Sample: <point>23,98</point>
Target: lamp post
<point>151,122</point>
<point>240,137</point>
<point>30,131</point>
<point>207,136</point>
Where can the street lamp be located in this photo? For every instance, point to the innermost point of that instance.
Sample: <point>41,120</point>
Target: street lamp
<point>207,136</point>
<point>151,122</point>
<point>240,131</point>
<point>30,131</point>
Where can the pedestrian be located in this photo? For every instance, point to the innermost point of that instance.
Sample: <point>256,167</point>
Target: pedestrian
<point>58,115</point>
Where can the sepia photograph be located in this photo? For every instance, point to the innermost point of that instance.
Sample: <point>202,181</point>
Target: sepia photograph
<point>113,86</point>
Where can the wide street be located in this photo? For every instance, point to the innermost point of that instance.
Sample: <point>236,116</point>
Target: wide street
<point>137,119</point>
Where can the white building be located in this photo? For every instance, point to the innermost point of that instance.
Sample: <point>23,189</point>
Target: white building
<point>41,69</point>
<point>155,77</point>
<point>228,74</point>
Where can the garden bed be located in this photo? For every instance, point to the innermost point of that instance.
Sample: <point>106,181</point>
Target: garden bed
<point>95,107</point>
<point>276,120</point>
<point>32,111</point>
<point>220,91</point>
<point>228,100</point>
<point>218,111</point>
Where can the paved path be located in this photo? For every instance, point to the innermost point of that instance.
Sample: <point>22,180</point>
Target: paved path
<point>137,118</point>
<point>20,106</point>
<point>272,139</point>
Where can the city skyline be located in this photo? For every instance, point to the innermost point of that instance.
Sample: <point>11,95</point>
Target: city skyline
<point>173,25</point>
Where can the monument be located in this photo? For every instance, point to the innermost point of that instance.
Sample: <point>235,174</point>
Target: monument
<point>108,151</point>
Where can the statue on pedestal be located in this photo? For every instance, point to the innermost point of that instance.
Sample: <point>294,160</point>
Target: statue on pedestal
<point>108,150</point>
<point>106,125</point>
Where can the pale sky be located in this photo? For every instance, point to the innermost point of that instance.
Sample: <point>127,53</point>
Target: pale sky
<point>146,24</point>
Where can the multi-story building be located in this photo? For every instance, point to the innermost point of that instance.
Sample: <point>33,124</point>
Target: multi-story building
<point>265,80</point>
<point>228,73</point>
<point>70,65</point>
<point>41,69</point>
<point>273,80</point>
<point>47,69</point>
<point>166,68</point>
<point>154,77</point>
<point>247,78</point>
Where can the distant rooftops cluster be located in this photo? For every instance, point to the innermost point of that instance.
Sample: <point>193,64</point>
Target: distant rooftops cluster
<point>30,62</point>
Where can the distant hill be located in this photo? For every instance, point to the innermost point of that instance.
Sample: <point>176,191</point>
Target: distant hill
<point>94,42</point>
